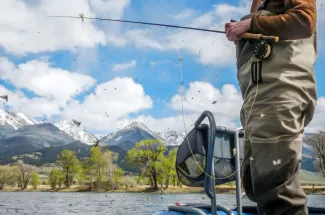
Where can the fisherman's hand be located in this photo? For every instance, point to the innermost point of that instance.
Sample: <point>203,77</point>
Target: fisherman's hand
<point>227,25</point>
<point>235,29</point>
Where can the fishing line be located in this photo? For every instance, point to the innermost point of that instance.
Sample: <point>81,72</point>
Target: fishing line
<point>181,74</point>
<point>184,123</point>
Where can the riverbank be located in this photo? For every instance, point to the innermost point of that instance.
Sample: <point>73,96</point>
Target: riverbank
<point>222,189</point>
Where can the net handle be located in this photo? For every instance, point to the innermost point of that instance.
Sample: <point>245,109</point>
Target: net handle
<point>209,183</point>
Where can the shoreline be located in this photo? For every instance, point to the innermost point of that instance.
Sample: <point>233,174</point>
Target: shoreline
<point>224,189</point>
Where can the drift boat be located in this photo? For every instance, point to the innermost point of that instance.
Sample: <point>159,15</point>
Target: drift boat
<point>210,156</point>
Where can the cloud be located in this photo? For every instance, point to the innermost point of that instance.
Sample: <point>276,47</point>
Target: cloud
<point>110,102</point>
<point>112,8</point>
<point>124,66</point>
<point>28,29</point>
<point>227,11</point>
<point>144,38</point>
<point>187,13</point>
<point>40,78</point>
<point>205,20</point>
<point>207,48</point>
<point>201,95</point>
<point>34,107</point>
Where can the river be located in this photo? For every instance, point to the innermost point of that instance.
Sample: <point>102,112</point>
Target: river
<point>56,203</point>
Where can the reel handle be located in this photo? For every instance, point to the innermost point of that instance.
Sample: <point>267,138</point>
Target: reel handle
<point>259,37</point>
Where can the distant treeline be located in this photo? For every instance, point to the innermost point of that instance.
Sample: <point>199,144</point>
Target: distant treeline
<point>99,171</point>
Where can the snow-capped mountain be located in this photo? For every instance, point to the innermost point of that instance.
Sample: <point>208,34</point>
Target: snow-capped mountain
<point>10,121</point>
<point>137,131</point>
<point>130,135</point>
<point>14,120</point>
<point>172,138</point>
<point>69,128</point>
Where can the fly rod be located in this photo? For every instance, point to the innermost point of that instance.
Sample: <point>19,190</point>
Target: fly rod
<point>244,35</point>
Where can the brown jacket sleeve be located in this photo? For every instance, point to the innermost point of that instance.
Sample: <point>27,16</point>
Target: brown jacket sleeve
<point>298,22</point>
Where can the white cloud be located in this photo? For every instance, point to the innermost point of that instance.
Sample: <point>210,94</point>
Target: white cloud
<point>124,66</point>
<point>227,11</point>
<point>39,77</point>
<point>112,8</point>
<point>34,107</point>
<point>225,111</point>
<point>201,96</point>
<point>205,20</point>
<point>112,101</point>
<point>208,48</point>
<point>28,29</point>
<point>144,39</point>
<point>187,13</point>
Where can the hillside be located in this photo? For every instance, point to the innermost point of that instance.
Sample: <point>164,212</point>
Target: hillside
<point>38,144</point>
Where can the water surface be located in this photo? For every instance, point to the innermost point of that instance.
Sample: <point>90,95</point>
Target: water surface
<point>56,203</point>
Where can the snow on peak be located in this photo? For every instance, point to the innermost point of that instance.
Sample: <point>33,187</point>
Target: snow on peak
<point>13,120</point>
<point>69,128</point>
<point>172,138</point>
<point>25,118</point>
<point>143,127</point>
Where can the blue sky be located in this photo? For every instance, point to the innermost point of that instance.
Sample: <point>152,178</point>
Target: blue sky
<point>86,71</point>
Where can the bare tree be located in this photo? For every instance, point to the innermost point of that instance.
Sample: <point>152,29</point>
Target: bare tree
<point>25,172</point>
<point>317,141</point>
<point>7,176</point>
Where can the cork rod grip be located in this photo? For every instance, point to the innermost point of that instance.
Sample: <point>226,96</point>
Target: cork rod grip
<point>259,37</point>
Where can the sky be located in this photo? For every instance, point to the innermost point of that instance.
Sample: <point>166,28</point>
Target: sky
<point>107,75</point>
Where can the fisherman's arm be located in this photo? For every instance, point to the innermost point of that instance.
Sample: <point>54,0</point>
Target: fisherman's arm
<point>299,22</point>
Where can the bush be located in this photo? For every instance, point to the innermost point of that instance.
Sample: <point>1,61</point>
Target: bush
<point>44,182</point>
<point>35,180</point>
<point>127,181</point>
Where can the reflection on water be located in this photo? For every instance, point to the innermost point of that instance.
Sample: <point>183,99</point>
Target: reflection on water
<point>104,203</point>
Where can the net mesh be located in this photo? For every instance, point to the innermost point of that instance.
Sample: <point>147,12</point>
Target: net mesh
<point>192,157</point>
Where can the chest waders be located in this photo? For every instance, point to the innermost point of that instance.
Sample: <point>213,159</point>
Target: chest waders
<point>280,94</point>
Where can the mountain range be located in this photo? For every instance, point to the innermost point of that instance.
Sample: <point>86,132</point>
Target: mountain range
<point>40,143</point>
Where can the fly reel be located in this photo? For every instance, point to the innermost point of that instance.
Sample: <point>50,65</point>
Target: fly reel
<point>262,49</point>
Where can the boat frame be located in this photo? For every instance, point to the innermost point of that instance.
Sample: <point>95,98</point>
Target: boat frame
<point>209,179</point>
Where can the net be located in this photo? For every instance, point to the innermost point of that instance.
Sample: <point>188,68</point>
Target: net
<point>191,157</point>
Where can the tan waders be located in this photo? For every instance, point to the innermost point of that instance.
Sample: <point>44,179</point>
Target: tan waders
<point>279,96</point>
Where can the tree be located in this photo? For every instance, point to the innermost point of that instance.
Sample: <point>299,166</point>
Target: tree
<point>172,158</point>
<point>82,175</point>
<point>110,158</point>
<point>118,173</point>
<point>147,154</point>
<point>86,173</point>
<point>55,178</point>
<point>35,180</point>
<point>8,176</point>
<point>69,164</point>
<point>99,164</point>
<point>25,172</point>
<point>317,141</point>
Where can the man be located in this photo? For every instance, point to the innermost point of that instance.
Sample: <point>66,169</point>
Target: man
<point>279,96</point>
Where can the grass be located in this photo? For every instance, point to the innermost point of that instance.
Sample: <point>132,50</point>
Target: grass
<point>313,183</point>
<point>307,177</point>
